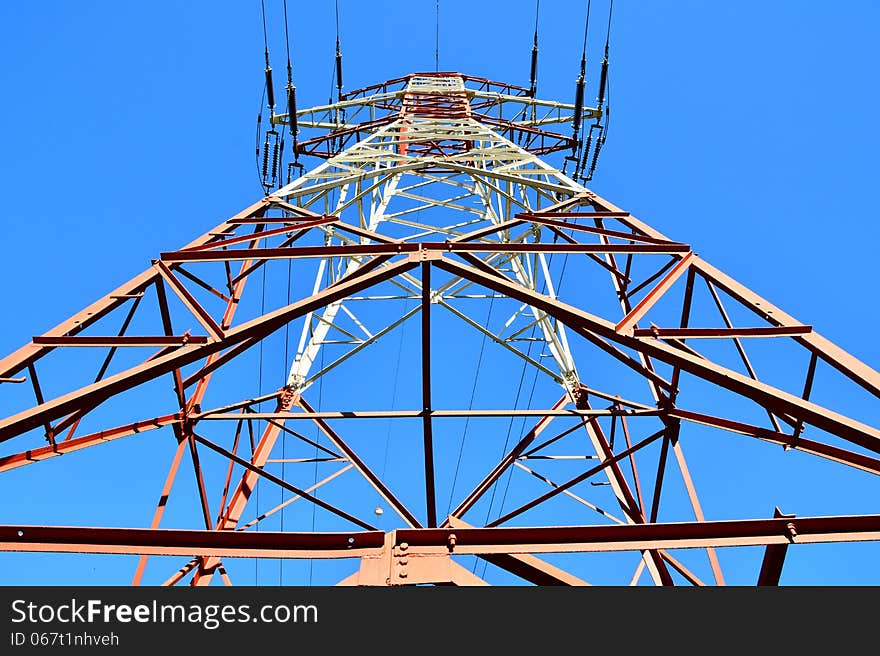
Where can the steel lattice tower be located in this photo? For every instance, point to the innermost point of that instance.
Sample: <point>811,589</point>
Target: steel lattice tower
<point>434,210</point>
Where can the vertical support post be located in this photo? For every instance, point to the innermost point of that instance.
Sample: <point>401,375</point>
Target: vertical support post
<point>38,394</point>
<point>774,558</point>
<point>808,387</point>
<point>685,319</point>
<point>427,429</point>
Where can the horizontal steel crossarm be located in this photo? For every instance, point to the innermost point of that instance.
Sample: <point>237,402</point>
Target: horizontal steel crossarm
<point>439,414</point>
<point>721,333</point>
<point>351,250</point>
<point>467,541</point>
<point>527,101</point>
<point>631,537</point>
<point>114,341</point>
<point>527,566</point>
<point>342,104</point>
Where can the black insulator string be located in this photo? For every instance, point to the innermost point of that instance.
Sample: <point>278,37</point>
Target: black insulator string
<point>338,57</point>
<point>269,173</point>
<point>579,102</point>
<point>579,108</point>
<point>600,127</point>
<point>270,91</point>
<point>291,94</point>
<point>533,77</point>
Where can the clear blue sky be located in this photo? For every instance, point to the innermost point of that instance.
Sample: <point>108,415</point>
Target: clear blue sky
<point>747,129</point>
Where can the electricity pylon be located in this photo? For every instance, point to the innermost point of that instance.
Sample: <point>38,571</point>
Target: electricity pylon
<point>433,209</point>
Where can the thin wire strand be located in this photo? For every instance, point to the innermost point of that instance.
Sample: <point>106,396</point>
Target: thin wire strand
<point>586,30</point>
<point>522,378</point>
<point>394,392</point>
<point>287,39</point>
<point>260,407</point>
<point>317,443</point>
<point>535,379</point>
<point>265,32</point>
<point>531,395</point>
<point>610,11</point>
<point>436,35</point>
<point>283,440</point>
<point>470,407</point>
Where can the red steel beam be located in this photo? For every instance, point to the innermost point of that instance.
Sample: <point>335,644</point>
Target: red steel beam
<point>171,340</point>
<point>774,559</point>
<point>220,413</point>
<point>698,333</point>
<point>223,243</point>
<point>527,567</point>
<point>413,247</point>
<point>427,424</point>
<point>236,290</point>
<point>43,453</point>
<point>834,453</point>
<point>544,219</point>
<point>583,215</point>
<point>626,324</point>
<point>175,542</point>
<point>161,504</point>
<point>555,539</point>
<point>200,313</point>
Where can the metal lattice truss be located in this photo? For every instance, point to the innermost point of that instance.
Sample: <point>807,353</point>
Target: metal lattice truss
<point>433,195</point>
